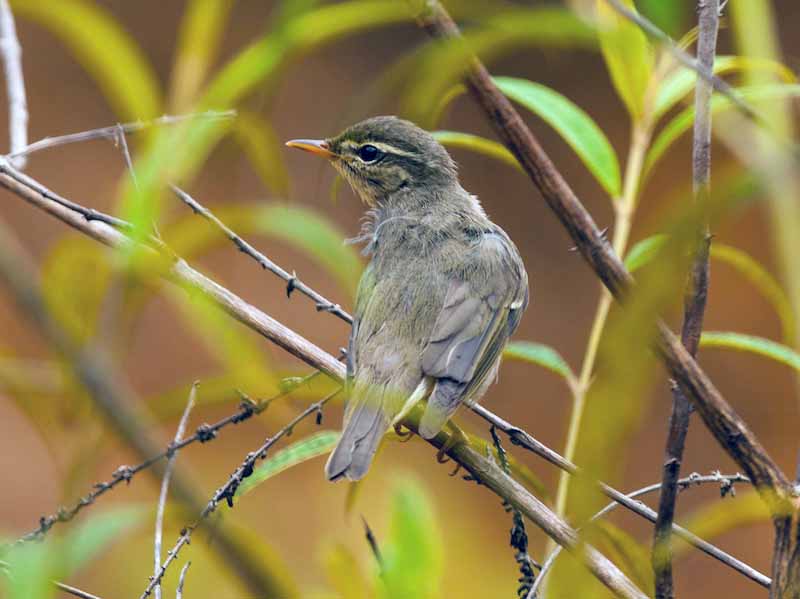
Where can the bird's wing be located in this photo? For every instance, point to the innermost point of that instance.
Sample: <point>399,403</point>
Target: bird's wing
<point>479,314</point>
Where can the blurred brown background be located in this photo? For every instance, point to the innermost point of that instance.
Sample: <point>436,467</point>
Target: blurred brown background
<point>299,513</point>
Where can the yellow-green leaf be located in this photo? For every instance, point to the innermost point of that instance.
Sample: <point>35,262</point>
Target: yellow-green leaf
<point>263,149</point>
<point>681,82</point>
<point>540,354</point>
<point>201,31</point>
<point>750,343</point>
<point>573,124</point>
<point>314,445</point>
<point>481,145</point>
<point>628,56</point>
<point>104,49</point>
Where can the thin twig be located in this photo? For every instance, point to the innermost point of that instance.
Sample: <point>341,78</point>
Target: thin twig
<point>203,434</point>
<point>75,592</point>
<point>696,296</point>
<point>11,53</point>
<point>372,542</point>
<point>726,482</point>
<point>181,581</point>
<point>228,491</point>
<point>292,282</point>
<point>705,72</point>
<point>523,439</point>
<point>162,498</point>
<point>112,133</point>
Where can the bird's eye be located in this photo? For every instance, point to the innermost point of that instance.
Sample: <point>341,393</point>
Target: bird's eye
<point>368,153</point>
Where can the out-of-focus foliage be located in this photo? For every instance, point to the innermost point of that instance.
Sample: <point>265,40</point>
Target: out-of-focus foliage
<point>413,553</point>
<point>540,354</point>
<point>753,344</point>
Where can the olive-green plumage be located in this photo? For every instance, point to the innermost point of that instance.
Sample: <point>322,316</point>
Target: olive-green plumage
<point>444,289</point>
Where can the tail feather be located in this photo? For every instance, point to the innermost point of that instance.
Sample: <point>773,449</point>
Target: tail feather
<point>365,425</point>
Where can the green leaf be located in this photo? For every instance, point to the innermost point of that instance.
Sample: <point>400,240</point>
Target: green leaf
<point>344,574</point>
<point>683,121</point>
<point>201,31</point>
<point>573,124</point>
<point>682,81</point>
<point>301,451</point>
<point>766,284</point>
<point>543,355</point>
<point>85,542</point>
<point>412,557</point>
<point>31,567</point>
<point>628,56</point>
<point>104,49</point>
<point>644,251</point>
<point>750,343</point>
<point>263,149</point>
<point>667,16</point>
<point>481,145</point>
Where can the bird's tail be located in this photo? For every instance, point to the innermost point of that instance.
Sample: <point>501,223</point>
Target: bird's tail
<point>365,423</point>
<point>371,410</point>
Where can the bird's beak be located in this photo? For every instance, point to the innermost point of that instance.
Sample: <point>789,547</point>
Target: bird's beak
<point>319,147</point>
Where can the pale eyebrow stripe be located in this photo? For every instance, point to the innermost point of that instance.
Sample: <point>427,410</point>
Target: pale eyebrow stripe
<point>383,147</point>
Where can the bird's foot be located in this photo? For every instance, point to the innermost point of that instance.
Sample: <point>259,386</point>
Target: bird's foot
<point>403,437</point>
<point>457,437</point>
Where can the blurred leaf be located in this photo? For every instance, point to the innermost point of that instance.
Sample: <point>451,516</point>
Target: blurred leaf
<point>202,27</point>
<point>73,298</point>
<point>630,555</point>
<point>540,354</point>
<point>98,530</point>
<point>667,16</point>
<point>263,149</point>
<point>681,82</point>
<point>412,555</point>
<point>761,278</point>
<point>480,145</point>
<point>683,121</point>
<point>104,49</point>
<point>31,567</point>
<point>314,445</point>
<point>344,574</point>
<point>573,124</point>
<point>442,64</point>
<point>644,251</point>
<point>261,59</point>
<point>716,517</point>
<point>750,343</point>
<point>294,225</point>
<point>628,56</point>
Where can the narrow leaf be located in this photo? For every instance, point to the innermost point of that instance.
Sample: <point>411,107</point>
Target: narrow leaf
<point>628,56</point>
<point>481,145</point>
<point>573,124</point>
<point>683,121</point>
<point>644,251</point>
<point>301,451</point>
<point>540,354</point>
<point>96,532</point>
<point>681,82</point>
<point>262,148</point>
<point>750,343</point>
<point>104,49</point>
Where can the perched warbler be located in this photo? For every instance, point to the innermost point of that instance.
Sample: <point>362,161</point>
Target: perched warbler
<point>444,289</point>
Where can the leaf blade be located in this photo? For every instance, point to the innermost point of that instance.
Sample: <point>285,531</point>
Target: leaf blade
<point>542,355</point>
<point>752,344</point>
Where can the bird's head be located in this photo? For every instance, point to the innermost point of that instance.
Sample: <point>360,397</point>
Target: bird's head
<point>384,155</point>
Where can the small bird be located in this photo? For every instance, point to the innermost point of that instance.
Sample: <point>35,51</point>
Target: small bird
<point>444,289</point>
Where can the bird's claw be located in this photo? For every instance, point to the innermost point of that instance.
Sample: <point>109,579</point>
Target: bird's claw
<point>457,437</point>
<point>403,437</point>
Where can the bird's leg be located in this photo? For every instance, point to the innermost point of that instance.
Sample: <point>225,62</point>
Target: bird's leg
<point>403,437</point>
<point>457,437</point>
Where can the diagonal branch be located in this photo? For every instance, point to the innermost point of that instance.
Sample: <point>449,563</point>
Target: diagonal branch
<point>694,303</point>
<point>727,426</point>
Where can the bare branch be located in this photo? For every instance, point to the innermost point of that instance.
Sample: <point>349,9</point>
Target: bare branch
<point>227,491</point>
<point>74,591</point>
<point>725,480</point>
<point>162,498</point>
<point>696,296</point>
<point>182,580</point>
<point>112,133</point>
<point>11,54</point>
